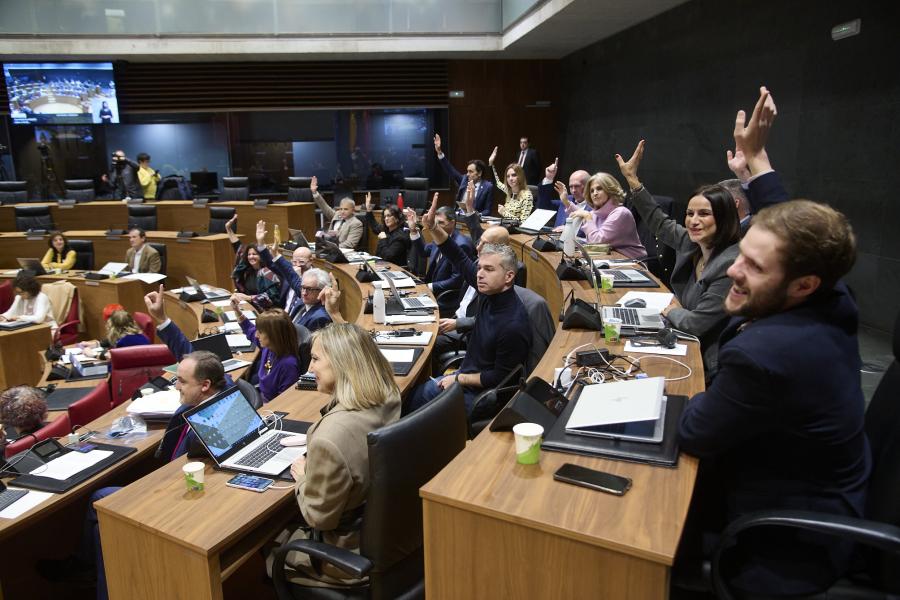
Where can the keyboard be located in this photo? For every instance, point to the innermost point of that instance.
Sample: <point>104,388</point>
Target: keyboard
<point>8,496</point>
<point>629,316</point>
<point>414,303</point>
<point>259,456</point>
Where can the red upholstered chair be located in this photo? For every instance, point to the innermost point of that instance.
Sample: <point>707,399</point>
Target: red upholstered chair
<point>68,330</point>
<point>144,321</point>
<point>132,367</point>
<point>91,406</point>
<point>57,428</point>
<point>6,295</point>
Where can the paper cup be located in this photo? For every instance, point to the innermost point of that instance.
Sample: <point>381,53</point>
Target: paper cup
<point>193,476</point>
<point>612,329</point>
<point>528,442</point>
<point>607,280</point>
<point>146,391</point>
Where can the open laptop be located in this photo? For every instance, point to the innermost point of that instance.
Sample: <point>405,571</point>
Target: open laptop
<point>32,264</point>
<point>634,320</point>
<point>298,238</point>
<point>627,277</point>
<point>421,303</point>
<point>539,221</point>
<point>236,436</point>
<point>211,294</point>
<point>218,345</point>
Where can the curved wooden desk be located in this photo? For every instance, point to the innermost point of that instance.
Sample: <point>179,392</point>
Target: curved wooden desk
<point>497,529</point>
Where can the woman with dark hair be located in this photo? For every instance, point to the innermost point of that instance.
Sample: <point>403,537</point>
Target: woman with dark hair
<point>393,237</point>
<point>279,363</point>
<point>253,282</point>
<point>23,409</point>
<point>30,303</point>
<point>704,247</point>
<point>59,255</point>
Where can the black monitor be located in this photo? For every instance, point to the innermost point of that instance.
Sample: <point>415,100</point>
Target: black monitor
<point>204,182</point>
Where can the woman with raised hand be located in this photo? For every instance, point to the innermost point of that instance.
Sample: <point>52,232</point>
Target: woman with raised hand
<point>393,237</point>
<point>276,336</point>
<point>253,282</point>
<point>519,201</point>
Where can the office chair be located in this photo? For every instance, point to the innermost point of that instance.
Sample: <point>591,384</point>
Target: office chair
<point>163,255</point>
<point>534,193</point>
<point>392,526</point>
<point>388,196</point>
<point>59,427</point>
<point>6,295</point>
<point>70,321</point>
<point>298,189</point>
<point>218,216</point>
<point>491,401</point>
<point>304,339</point>
<point>250,392</point>
<point>80,190</point>
<point>144,321</point>
<point>235,188</point>
<point>142,216</point>
<point>415,192</point>
<point>94,405</point>
<point>132,367</point>
<point>84,252</point>
<point>13,192</point>
<point>33,217</point>
<point>879,532</point>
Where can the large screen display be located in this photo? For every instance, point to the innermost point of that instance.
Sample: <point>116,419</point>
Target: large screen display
<point>61,93</point>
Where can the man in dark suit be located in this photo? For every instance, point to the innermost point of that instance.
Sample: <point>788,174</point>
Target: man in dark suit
<point>549,192</point>
<point>530,161</point>
<point>484,190</point>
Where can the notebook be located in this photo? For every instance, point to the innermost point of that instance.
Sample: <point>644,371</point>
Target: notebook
<point>237,438</point>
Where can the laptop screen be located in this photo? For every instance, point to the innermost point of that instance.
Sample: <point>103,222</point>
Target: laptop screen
<point>224,422</point>
<point>217,344</point>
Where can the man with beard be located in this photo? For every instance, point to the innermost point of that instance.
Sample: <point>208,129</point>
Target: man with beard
<point>781,426</point>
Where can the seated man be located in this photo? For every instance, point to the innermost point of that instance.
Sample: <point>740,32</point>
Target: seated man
<point>344,227</point>
<point>781,425</point>
<point>484,190</point>
<point>501,337</point>
<point>548,194</point>
<point>141,257</point>
<point>441,274</point>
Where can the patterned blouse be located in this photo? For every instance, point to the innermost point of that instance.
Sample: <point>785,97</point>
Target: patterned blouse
<point>517,206</point>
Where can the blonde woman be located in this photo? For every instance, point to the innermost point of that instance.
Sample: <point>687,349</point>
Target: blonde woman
<point>608,222</point>
<point>332,480</point>
<point>122,331</point>
<point>519,201</point>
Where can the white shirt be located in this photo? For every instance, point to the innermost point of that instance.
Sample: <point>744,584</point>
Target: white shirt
<point>33,310</point>
<point>136,268</point>
<point>464,303</point>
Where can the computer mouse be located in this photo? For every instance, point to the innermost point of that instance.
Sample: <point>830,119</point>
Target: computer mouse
<point>294,440</point>
<point>636,303</point>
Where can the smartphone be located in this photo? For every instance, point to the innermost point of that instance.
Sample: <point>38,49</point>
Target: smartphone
<point>590,478</point>
<point>250,482</point>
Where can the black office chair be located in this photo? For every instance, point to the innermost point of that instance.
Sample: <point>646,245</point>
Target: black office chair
<point>33,217</point>
<point>235,188</point>
<point>13,192</point>
<point>218,216</point>
<point>521,275</point>
<point>389,196</point>
<point>660,258</point>
<point>161,248</point>
<point>415,193</point>
<point>534,193</point>
<point>489,402</point>
<point>298,189</point>
<point>304,339</point>
<point>80,190</point>
<point>878,532</point>
<point>250,392</point>
<point>400,462</point>
<point>143,216</point>
<point>84,252</point>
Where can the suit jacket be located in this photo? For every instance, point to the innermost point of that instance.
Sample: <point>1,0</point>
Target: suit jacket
<point>314,318</point>
<point>782,426</point>
<point>150,260</point>
<point>394,247</point>
<point>350,233</point>
<point>484,197</point>
<point>532,166</point>
<point>440,272</point>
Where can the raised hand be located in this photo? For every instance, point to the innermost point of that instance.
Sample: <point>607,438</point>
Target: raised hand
<point>563,193</point>
<point>551,170</point>
<point>470,197</point>
<point>314,185</point>
<point>629,169</point>
<point>737,162</point>
<point>261,233</point>
<point>492,157</point>
<point>369,204</point>
<point>229,224</point>
<point>156,304</point>
<point>410,215</point>
<point>750,136</point>
<point>330,298</point>
<point>437,143</point>
<point>432,210</point>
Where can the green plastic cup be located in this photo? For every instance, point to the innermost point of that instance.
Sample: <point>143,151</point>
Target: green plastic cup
<point>193,476</point>
<point>528,443</point>
<point>612,329</point>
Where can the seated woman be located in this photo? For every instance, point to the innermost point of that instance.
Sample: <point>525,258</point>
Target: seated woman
<point>122,331</point>
<point>519,201</point>
<point>23,410</point>
<point>393,237</point>
<point>30,303</point>
<point>705,247</point>
<point>609,222</point>
<point>276,336</point>
<point>333,478</point>
<point>59,255</point>
<point>253,282</point>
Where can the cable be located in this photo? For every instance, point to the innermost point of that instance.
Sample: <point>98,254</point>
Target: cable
<point>669,358</point>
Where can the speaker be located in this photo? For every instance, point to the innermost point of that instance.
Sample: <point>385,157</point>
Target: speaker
<point>549,244</point>
<point>570,271</point>
<point>581,315</point>
<point>538,402</point>
<point>366,274</point>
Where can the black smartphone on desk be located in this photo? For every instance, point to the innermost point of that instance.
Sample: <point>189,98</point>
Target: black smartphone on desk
<point>593,479</point>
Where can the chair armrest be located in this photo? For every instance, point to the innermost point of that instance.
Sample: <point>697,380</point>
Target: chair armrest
<point>349,562</point>
<point>882,536</point>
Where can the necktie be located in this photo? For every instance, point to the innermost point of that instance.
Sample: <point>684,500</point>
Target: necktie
<point>522,159</point>
<point>294,303</point>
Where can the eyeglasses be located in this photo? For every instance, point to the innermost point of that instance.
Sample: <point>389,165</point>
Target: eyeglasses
<point>310,289</point>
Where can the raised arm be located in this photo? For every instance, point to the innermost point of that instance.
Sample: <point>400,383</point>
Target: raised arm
<point>327,211</point>
<point>167,331</point>
<point>764,184</point>
<point>229,229</point>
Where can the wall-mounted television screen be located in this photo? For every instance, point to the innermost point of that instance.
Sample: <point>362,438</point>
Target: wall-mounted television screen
<point>61,93</point>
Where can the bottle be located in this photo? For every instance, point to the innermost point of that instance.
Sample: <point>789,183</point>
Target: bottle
<point>277,235</point>
<point>400,200</point>
<point>568,237</point>
<point>378,311</point>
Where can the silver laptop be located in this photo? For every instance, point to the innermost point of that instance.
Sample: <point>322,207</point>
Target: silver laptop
<point>208,294</point>
<point>237,437</point>
<point>410,303</point>
<point>625,276</point>
<point>218,345</point>
<point>634,320</point>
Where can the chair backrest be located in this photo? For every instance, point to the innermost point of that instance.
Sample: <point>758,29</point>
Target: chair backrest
<point>298,189</point>
<point>57,428</point>
<point>84,251</point>
<point>13,192</point>
<point>304,337</point>
<point>33,217</point>
<point>132,367</point>
<point>67,332</point>
<point>489,402</point>
<point>399,464</point>
<point>145,322</point>
<point>415,192</point>
<point>142,216</point>
<point>6,295</point>
<point>95,404</point>
<point>250,392</point>
<point>388,196</point>
<point>80,190</point>
<point>534,192</point>
<point>235,188</point>
<point>521,275</point>
<point>163,255</point>
<point>218,216</point>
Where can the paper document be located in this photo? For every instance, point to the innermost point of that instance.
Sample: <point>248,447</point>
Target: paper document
<point>232,327</point>
<point>70,463</point>
<point>248,314</point>
<point>394,355</point>
<point>420,339</point>
<point>113,268</point>
<point>678,350</point>
<point>146,277</point>
<point>224,303</point>
<point>655,300</point>
<point>159,403</point>
<point>618,402</point>
<point>538,219</point>
<point>24,504</point>
<point>237,340</point>
<point>408,319</point>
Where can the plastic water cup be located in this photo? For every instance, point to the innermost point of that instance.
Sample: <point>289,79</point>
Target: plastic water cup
<point>193,476</point>
<point>612,329</point>
<point>528,443</point>
<point>607,280</point>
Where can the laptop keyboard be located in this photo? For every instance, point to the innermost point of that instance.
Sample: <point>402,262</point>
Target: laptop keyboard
<point>414,303</point>
<point>629,316</point>
<point>7,497</point>
<point>259,456</point>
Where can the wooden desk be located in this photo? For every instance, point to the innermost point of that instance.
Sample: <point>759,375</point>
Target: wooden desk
<point>19,362</point>
<point>497,529</point>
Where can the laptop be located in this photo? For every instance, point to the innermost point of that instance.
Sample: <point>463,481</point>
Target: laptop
<point>298,238</point>
<point>211,293</point>
<point>32,264</point>
<point>423,302</point>
<point>634,320</point>
<point>539,221</point>
<point>13,325</point>
<point>627,277</point>
<point>218,345</point>
<point>236,436</point>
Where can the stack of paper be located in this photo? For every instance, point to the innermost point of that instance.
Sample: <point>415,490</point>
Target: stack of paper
<point>156,406</point>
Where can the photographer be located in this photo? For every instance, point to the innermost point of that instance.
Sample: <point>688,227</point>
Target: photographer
<point>147,175</point>
<point>123,177</point>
